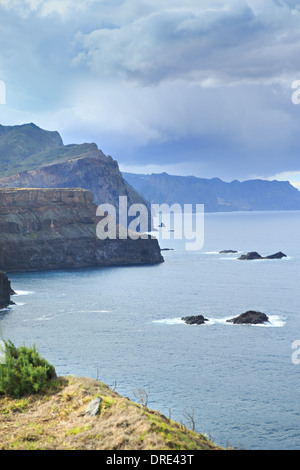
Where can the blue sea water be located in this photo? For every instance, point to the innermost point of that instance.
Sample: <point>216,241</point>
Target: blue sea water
<point>122,325</point>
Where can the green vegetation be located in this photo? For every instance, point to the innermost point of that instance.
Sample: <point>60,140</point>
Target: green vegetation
<point>55,420</point>
<point>27,147</point>
<point>24,371</point>
<point>37,413</point>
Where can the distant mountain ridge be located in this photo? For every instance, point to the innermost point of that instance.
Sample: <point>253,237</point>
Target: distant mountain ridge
<point>215,194</point>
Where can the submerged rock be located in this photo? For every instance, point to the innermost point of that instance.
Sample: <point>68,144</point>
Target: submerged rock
<point>195,320</point>
<point>228,251</point>
<point>250,317</point>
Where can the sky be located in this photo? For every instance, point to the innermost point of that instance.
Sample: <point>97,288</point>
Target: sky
<point>201,87</point>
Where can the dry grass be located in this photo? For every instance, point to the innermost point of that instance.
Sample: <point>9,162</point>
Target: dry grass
<point>57,421</point>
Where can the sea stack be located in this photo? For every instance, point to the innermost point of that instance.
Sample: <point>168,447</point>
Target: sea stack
<point>5,291</point>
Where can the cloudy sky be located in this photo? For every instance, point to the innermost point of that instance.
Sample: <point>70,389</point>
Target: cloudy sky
<point>200,87</point>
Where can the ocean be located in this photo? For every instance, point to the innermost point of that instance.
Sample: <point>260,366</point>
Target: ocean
<point>122,325</point>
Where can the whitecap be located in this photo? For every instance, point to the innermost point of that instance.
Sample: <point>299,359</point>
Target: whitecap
<point>217,321</point>
<point>24,292</point>
<point>275,321</point>
<point>93,311</point>
<point>47,317</point>
<point>44,318</point>
<point>170,321</point>
<point>6,309</point>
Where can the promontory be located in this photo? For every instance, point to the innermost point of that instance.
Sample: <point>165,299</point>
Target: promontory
<point>43,229</point>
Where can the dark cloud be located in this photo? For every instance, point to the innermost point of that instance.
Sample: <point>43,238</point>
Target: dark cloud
<point>200,87</point>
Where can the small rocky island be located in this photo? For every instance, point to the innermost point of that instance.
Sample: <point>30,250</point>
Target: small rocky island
<point>250,317</point>
<point>195,320</point>
<point>254,255</point>
<point>43,229</point>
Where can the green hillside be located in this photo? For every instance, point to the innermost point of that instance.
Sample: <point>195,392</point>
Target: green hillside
<point>23,146</point>
<point>28,147</point>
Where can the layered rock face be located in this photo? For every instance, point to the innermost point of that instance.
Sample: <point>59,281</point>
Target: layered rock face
<point>31,157</point>
<point>44,229</point>
<point>82,166</point>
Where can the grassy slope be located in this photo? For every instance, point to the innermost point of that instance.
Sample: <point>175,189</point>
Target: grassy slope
<point>28,147</point>
<point>19,143</point>
<point>56,420</point>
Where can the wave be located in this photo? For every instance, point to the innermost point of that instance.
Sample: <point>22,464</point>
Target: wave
<point>170,321</point>
<point>275,321</point>
<point>93,311</point>
<point>47,317</point>
<point>6,309</point>
<point>24,292</point>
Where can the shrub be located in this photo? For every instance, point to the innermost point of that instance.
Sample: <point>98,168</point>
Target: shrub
<point>24,371</point>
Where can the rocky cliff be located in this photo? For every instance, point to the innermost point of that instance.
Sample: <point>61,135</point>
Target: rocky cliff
<point>5,291</point>
<point>31,157</point>
<point>93,171</point>
<point>44,229</point>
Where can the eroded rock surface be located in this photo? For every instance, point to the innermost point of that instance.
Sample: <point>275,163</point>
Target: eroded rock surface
<point>44,229</point>
<point>250,317</point>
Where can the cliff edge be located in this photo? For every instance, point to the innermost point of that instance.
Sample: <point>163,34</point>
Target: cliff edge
<point>43,229</point>
<point>57,420</point>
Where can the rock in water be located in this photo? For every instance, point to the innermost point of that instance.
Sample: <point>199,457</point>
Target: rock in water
<point>250,317</point>
<point>278,255</point>
<point>254,255</point>
<point>5,291</point>
<point>251,255</point>
<point>195,320</point>
<point>94,407</point>
<point>228,251</point>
